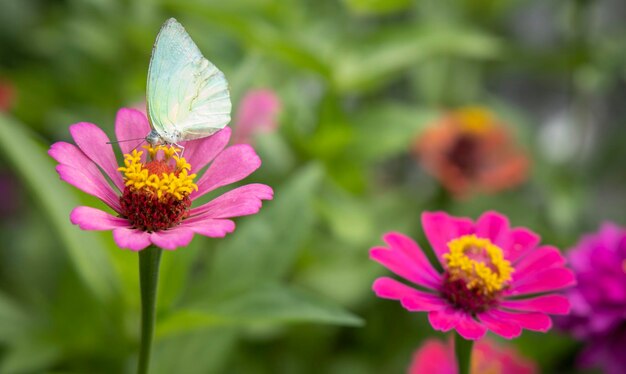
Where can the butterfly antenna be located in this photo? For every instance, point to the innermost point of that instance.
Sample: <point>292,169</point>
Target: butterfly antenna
<point>140,143</point>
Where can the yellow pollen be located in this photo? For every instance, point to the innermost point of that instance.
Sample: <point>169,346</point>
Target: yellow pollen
<point>476,120</point>
<point>479,262</point>
<point>177,182</point>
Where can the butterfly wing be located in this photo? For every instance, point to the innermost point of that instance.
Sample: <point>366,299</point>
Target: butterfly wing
<point>187,95</point>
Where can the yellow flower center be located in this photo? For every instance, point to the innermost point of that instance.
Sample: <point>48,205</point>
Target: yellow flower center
<point>475,120</point>
<point>479,263</point>
<point>164,175</point>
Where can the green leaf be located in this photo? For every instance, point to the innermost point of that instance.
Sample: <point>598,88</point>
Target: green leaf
<point>13,319</point>
<point>175,271</point>
<point>372,62</point>
<point>291,46</point>
<point>264,304</point>
<point>376,7</point>
<point>349,218</point>
<point>29,354</point>
<point>387,130</point>
<point>266,245</point>
<point>201,352</point>
<point>30,162</point>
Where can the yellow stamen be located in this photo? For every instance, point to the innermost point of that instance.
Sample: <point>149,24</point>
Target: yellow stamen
<point>174,181</point>
<point>479,262</point>
<point>475,120</point>
<point>168,151</point>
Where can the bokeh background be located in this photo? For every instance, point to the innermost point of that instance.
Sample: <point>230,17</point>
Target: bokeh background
<point>358,82</point>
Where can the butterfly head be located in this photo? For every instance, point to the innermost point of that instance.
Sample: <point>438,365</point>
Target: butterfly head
<point>153,138</point>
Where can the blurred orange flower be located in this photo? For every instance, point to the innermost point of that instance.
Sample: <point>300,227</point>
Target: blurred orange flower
<point>7,96</point>
<point>469,150</point>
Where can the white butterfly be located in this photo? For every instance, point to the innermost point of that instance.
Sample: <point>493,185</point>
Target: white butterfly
<point>187,95</point>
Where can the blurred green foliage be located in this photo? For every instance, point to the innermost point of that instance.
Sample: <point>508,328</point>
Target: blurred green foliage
<point>289,290</point>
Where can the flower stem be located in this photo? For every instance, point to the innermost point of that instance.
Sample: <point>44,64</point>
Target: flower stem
<point>463,352</point>
<point>149,260</point>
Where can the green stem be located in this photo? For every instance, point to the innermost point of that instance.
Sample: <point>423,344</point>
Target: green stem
<point>149,260</point>
<point>463,352</point>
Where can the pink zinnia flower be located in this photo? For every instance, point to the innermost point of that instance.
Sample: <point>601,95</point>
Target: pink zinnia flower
<point>436,357</point>
<point>598,314</point>
<point>494,277</point>
<point>257,113</point>
<point>152,193</point>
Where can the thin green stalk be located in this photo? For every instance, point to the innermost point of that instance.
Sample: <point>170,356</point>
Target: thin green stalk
<point>463,352</point>
<point>149,260</point>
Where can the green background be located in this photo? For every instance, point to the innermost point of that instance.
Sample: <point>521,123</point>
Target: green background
<point>290,290</point>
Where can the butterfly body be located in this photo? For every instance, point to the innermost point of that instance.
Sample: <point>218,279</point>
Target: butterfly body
<point>187,95</point>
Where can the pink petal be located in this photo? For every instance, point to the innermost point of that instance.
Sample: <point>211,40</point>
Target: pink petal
<point>213,228</point>
<point>88,218</point>
<point>530,321</point>
<point>131,128</point>
<point>83,182</point>
<point>542,258</point>
<point>172,238</point>
<point>444,320</point>
<point>93,142</point>
<point>132,239</point>
<point>398,263</point>
<point>440,228</point>
<point>241,201</point>
<point>233,164</point>
<point>502,327</point>
<point>433,357</point>
<point>389,288</point>
<point>543,281</point>
<point>408,247</point>
<point>522,241</point>
<point>79,171</point>
<point>495,227</point>
<point>411,299</point>
<point>68,154</point>
<point>422,303</point>
<point>257,113</point>
<point>469,328</point>
<point>200,152</point>
<point>553,304</point>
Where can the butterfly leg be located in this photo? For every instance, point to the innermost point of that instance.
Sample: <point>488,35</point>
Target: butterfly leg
<point>182,149</point>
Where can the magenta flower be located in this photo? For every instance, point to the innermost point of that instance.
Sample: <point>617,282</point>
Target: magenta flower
<point>436,357</point>
<point>598,313</point>
<point>151,195</point>
<point>257,113</point>
<point>494,277</point>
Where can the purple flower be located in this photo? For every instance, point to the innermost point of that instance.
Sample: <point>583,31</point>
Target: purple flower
<point>151,195</point>
<point>495,277</point>
<point>598,314</point>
